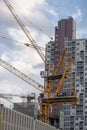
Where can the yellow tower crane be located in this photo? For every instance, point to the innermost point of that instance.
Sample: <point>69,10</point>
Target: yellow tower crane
<point>46,102</point>
<point>49,79</point>
<point>44,113</point>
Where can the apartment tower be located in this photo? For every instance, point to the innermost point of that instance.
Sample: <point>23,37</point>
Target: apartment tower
<point>75,117</point>
<point>65,28</point>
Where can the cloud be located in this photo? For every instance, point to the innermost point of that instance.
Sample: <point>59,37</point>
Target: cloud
<point>52,12</point>
<point>26,6</point>
<point>39,66</point>
<point>78,14</point>
<point>4,56</point>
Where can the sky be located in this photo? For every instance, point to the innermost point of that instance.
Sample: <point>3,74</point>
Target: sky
<point>40,18</point>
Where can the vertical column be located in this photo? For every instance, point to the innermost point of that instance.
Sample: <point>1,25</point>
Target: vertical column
<point>1,117</point>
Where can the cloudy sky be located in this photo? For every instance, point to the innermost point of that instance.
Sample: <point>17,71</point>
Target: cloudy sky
<point>40,17</point>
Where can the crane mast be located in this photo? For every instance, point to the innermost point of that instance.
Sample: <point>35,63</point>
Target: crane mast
<point>21,75</point>
<point>57,68</point>
<point>68,64</point>
<point>49,79</point>
<point>25,30</point>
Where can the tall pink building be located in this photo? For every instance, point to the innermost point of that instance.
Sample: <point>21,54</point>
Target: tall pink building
<point>65,28</point>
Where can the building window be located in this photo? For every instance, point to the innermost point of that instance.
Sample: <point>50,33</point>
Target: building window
<point>78,43</point>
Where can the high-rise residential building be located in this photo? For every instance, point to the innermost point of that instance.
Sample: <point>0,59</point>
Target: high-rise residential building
<point>65,28</point>
<point>75,117</point>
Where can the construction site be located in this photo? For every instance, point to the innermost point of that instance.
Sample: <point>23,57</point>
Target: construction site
<point>46,113</point>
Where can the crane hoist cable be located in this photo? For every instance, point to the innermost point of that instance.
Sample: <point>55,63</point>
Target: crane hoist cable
<point>24,43</point>
<point>32,23</point>
<point>36,27</point>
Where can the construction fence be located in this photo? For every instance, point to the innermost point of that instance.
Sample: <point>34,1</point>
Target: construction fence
<point>13,120</point>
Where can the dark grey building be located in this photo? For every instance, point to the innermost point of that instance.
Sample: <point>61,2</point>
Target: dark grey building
<point>25,108</point>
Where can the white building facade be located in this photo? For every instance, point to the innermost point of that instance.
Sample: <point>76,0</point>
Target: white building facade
<point>75,117</point>
<point>13,120</point>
